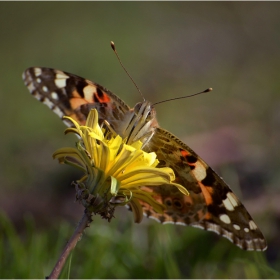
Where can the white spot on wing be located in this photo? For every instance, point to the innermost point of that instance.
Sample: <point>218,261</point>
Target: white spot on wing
<point>250,246</point>
<point>168,222</point>
<point>61,75</point>
<point>228,235</point>
<point>58,112</point>
<point>60,79</point>
<point>227,203</point>
<point>237,227</point>
<point>88,92</point>
<point>36,95</point>
<point>60,82</point>
<point>214,228</point>
<point>199,171</point>
<point>180,223</point>
<point>38,80</point>
<point>31,87</point>
<point>37,71</point>
<point>198,226</point>
<point>246,229</point>
<point>252,225</point>
<point>152,217</point>
<point>225,218</point>
<point>48,103</point>
<point>54,95</point>
<point>230,202</point>
<point>233,199</point>
<point>45,89</point>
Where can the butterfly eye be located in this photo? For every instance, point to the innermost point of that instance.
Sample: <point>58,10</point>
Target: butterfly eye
<point>137,107</point>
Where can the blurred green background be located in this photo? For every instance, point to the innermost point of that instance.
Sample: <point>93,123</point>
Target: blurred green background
<point>171,50</point>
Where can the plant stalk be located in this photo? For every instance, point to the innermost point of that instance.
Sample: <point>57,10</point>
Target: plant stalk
<point>83,224</point>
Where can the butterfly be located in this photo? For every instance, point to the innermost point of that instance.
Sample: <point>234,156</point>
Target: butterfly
<point>211,204</point>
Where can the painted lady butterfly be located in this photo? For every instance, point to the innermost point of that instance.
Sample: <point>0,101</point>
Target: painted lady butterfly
<point>211,205</point>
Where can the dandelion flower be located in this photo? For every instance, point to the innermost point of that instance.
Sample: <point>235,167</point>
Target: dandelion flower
<point>114,171</point>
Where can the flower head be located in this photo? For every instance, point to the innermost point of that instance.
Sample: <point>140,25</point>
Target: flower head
<point>114,172</point>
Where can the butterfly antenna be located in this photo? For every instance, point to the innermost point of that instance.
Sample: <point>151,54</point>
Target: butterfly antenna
<point>171,99</point>
<point>115,51</point>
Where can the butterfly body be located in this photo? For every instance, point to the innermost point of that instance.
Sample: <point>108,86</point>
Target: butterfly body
<point>211,204</point>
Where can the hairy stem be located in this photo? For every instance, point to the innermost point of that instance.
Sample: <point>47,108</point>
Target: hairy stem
<point>84,222</point>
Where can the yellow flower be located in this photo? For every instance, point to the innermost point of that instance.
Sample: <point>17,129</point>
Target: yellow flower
<point>114,171</point>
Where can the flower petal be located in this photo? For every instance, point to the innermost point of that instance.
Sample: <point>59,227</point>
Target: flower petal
<point>115,185</point>
<point>137,210</point>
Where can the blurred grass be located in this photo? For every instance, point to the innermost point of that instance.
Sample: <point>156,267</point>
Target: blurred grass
<point>105,252</point>
<point>170,49</point>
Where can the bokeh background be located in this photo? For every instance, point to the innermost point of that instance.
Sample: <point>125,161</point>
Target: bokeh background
<point>171,50</point>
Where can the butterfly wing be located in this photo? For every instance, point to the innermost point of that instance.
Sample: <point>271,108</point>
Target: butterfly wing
<point>211,204</point>
<point>70,95</point>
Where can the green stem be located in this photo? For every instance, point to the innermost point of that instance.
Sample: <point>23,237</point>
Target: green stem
<point>84,222</point>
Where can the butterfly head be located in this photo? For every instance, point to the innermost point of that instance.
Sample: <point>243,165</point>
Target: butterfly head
<point>139,123</point>
<point>145,109</point>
